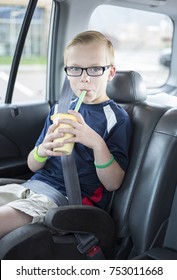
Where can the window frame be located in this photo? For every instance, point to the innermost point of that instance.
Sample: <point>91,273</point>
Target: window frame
<point>19,49</point>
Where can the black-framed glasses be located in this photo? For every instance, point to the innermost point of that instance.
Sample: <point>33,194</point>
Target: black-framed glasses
<point>94,71</point>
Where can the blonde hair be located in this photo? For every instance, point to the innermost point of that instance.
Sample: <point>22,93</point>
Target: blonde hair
<point>92,37</point>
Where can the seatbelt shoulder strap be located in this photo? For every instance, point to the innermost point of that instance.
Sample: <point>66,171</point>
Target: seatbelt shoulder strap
<point>87,242</point>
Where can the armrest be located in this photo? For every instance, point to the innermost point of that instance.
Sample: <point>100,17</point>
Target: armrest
<point>82,219</point>
<point>29,242</point>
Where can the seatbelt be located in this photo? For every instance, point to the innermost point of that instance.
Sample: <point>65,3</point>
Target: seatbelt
<point>68,163</point>
<point>87,242</point>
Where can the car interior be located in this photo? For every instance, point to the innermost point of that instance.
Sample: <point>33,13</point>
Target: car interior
<point>140,222</point>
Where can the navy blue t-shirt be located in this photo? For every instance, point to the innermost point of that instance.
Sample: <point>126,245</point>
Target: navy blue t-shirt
<point>113,124</point>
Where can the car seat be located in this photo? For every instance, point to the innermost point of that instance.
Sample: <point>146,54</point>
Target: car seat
<point>145,117</point>
<point>113,230</point>
<point>154,229</point>
<point>166,249</point>
<point>143,221</point>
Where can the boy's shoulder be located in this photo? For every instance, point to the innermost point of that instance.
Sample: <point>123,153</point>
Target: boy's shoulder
<point>118,109</point>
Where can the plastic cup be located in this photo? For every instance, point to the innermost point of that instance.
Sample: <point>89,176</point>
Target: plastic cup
<point>67,148</point>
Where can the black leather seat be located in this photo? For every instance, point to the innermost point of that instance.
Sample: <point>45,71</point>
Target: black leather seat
<point>154,229</point>
<point>145,117</point>
<point>130,228</point>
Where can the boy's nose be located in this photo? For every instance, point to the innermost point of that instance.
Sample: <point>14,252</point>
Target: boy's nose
<point>85,77</point>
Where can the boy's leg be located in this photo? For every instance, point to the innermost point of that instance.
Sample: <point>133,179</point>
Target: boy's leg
<point>11,219</point>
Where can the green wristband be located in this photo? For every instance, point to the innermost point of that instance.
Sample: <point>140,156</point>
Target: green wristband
<point>37,157</point>
<point>106,164</point>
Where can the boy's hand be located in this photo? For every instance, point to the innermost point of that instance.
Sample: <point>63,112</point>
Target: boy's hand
<point>47,146</point>
<point>82,133</point>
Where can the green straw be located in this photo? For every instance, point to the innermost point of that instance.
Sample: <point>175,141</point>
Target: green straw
<point>79,102</point>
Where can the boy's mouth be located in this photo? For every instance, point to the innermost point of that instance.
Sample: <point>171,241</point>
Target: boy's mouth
<point>87,90</point>
<point>83,89</point>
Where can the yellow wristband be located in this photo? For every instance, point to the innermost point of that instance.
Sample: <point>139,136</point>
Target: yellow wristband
<point>37,157</point>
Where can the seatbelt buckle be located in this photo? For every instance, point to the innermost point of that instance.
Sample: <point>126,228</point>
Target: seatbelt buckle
<point>86,242</point>
<point>88,246</point>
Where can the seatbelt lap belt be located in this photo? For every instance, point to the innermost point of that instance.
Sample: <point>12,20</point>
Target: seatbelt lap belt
<point>87,242</point>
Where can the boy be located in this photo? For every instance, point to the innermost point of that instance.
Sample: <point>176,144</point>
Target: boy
<point>101,136</point>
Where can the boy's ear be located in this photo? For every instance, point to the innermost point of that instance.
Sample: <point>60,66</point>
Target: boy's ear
<point>112,73</point>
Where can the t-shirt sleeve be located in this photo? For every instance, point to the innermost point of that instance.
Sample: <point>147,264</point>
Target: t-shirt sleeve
<point>119,140</point>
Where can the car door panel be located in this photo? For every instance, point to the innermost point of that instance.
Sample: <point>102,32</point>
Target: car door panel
<point>20,127</point>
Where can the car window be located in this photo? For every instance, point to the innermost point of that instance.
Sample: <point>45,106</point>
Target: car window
<point>142,40</point>
<point>31,77</point>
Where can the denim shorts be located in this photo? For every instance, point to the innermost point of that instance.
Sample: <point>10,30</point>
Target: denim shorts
<point>23,199</point>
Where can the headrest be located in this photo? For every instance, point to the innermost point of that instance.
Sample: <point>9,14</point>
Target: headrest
<point>127,87</point>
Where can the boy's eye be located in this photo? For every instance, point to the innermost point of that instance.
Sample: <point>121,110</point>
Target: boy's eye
<point>95,69</point>
<point>74,69</point>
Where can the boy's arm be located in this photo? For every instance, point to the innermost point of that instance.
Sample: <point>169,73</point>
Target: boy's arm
<point>37,158</point>
<point>33,164</point>
<point>111,176</point>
